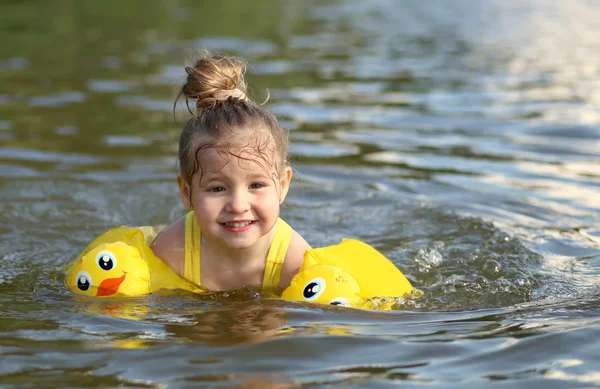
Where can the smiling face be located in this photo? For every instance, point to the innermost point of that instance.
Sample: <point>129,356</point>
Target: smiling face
<point>236,194</point>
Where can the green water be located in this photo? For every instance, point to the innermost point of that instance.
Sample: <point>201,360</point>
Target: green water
<point>460,140</point>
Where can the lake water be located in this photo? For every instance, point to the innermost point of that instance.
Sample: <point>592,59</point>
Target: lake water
<point>460,138</point>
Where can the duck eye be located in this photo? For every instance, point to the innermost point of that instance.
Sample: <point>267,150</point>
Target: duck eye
<point>341,301</point>
<point>83,280</point>
<point>106,260</point>
<point>314,288</point>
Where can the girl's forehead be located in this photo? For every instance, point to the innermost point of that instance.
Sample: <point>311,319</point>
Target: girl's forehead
<point>215,159</point>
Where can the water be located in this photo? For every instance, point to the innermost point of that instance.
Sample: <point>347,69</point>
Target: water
<point>461,139</point>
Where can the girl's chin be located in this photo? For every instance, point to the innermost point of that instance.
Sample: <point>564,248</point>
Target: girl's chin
<point>235,240</point>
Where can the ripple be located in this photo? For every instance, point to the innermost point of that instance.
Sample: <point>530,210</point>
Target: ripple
<point>439,163</point>
<point>323,113</point>
<point>58,99</point>
<point>20,154</point>
<point>570,133</point>
<point>244,47</point>
<point>145,103</point>
<point>6,125</point>
<point>111,62</point>
<point>123,140</point>
<point>280,67</point>
<point>65,130</point>
<point>14,63</point>
<point>169,75</point>
<point>323,149</point>
<point>15,171</point>
<point>110,86</point>
<point>338,92</point>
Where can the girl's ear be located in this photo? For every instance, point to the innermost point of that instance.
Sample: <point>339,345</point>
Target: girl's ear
<point>185,192</point>
<point>284,182</point>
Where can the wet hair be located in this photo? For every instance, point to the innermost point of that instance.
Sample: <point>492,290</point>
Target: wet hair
<point>225,116</point>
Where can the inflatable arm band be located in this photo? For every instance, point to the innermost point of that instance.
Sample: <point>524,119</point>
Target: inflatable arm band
<point>347,274</point>
<point>121,263</point>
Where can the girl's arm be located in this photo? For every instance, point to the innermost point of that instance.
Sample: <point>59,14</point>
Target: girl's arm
<point>293,259</point>
<point>169,246</point>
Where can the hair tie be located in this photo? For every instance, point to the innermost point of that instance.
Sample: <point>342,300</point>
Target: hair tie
<point>224,94</point>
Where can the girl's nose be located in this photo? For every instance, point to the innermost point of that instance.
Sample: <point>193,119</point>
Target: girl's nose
<point>238,202</point>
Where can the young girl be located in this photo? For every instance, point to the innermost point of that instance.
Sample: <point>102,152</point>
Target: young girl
<point>233,177</point>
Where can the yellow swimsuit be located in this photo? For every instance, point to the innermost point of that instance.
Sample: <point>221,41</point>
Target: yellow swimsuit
<point>273,266</point>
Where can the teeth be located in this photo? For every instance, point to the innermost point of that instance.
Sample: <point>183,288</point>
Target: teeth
<point>237,224</point>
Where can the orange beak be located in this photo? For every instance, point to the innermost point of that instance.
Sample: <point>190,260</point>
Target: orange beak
<point>110,285</point>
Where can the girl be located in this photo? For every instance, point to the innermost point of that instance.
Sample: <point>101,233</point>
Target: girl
<point>233,178</point>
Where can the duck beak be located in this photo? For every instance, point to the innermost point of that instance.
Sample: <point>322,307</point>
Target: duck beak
<point>110,286</point>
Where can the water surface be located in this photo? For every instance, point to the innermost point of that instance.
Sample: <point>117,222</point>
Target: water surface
<point>460,140</point>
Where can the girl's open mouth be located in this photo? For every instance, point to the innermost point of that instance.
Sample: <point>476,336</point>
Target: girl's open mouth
<point>239,226</point>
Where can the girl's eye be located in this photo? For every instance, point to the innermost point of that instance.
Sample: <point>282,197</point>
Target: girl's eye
<point>257,185</point>
<point>216,189</point>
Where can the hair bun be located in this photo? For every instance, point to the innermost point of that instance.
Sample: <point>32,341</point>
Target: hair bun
<point>215,78</point>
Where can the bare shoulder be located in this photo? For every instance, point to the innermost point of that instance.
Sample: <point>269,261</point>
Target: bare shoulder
<point>169,245</point>
<point>293,259</point>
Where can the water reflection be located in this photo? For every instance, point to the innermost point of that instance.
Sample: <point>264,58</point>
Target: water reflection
<point>233,324</point>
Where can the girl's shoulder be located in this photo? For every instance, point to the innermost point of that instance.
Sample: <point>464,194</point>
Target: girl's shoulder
<point>169,245</point>
<point>294,258</point>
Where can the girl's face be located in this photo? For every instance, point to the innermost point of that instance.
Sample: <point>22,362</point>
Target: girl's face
<point>235,196</point>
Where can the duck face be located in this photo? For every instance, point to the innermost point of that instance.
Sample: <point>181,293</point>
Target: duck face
<point>324,284</point>
<point>113,269</point>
